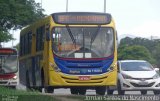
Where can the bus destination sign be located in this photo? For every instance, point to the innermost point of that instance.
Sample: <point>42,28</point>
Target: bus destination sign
<point>7,51</point>
<point>82,18</point>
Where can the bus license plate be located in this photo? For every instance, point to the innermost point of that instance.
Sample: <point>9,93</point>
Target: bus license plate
<point>84,78</point>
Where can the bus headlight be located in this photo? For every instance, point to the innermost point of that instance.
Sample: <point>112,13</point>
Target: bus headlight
<point>110,68</point>
<point>15,77</point>
<point>55,67</point>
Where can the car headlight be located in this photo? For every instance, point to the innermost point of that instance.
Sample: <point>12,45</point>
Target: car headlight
<point>156,76</point>
<point>126,76</point>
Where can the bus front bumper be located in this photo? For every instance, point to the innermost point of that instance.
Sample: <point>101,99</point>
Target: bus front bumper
<point>9,82</point>
<point>60,79</point>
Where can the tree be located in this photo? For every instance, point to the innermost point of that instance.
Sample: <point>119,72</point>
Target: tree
<point>135,52</point>
<point>126,41</point>
<point>5,37</point>
<point>15,14</point>
<point>156,53</point>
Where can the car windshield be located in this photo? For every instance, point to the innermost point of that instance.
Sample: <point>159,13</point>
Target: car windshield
<point>83,42</point>
<point>136,66</point>
<point>8,64</point>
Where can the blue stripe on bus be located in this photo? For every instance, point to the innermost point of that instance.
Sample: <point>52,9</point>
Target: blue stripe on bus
<point>87,67</point>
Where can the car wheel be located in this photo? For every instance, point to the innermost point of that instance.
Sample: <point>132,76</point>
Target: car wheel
<point>156,92</point>
<point>101,90</point>
<point>120,91</point>
<point>109,91</point>
<point>143,92</point>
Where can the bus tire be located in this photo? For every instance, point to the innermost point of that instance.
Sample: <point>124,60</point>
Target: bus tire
<point>109,91</point>
<point>74,90</point>
<point>82,91</point>
<point>49,89</point>
<point>27,81</point>
<point>42,81</point>
<point>101,90</point>
<point>38,89</point>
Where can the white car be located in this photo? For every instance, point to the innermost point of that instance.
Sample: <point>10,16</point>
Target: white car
<point>138,75</point>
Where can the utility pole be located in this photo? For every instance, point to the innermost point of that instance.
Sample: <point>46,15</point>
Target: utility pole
<point>13,39</point>
<point>104,6</point>
<point>41,4</point>
<point>66,5</point>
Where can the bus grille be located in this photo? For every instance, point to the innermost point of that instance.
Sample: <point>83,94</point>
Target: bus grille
<point>3,82</point>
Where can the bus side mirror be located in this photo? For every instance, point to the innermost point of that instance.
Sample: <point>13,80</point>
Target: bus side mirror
<point>47,36</point>
<point>47,32</point>
<point>118,67</point>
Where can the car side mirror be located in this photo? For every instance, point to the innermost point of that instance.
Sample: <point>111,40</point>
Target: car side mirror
<point>156,69</point>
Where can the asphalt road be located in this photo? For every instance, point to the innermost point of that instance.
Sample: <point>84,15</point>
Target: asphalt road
<point>92,92</point>
<point>62,91</point>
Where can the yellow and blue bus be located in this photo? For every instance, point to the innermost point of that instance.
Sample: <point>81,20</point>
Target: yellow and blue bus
<point>76,50</point>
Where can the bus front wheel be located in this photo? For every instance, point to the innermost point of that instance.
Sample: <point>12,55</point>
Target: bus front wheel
<point>109,91</point>
<point>78,90</point>
<point>100,90</point>
<point>74,90</point>
<point>82,91</point>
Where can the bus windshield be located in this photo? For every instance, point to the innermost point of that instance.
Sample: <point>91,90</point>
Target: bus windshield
<point>8,64</point>
<point>83,42</point>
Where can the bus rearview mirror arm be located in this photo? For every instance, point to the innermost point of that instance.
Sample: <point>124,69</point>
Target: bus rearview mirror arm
<point>47,32</point>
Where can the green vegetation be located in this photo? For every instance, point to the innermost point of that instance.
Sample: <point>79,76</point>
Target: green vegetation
<point>6,94</point>
<point>140,48</point>
<point>15,14</point>
<point>135,52</point>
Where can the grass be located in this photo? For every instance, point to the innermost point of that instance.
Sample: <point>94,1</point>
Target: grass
<point>8,94</point>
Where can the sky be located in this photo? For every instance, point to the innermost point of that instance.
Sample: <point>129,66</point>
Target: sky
<point>139,18</point>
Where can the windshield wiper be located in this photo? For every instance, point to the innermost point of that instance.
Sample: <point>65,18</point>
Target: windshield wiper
<point>71,35</point>
<point>93,37</point>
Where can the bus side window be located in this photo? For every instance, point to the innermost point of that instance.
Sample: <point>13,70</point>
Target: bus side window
<point>54,42</point>
<point>29,42</point>
<point>40,38</point>
<point>56,37</point>
<point>21,45</point>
